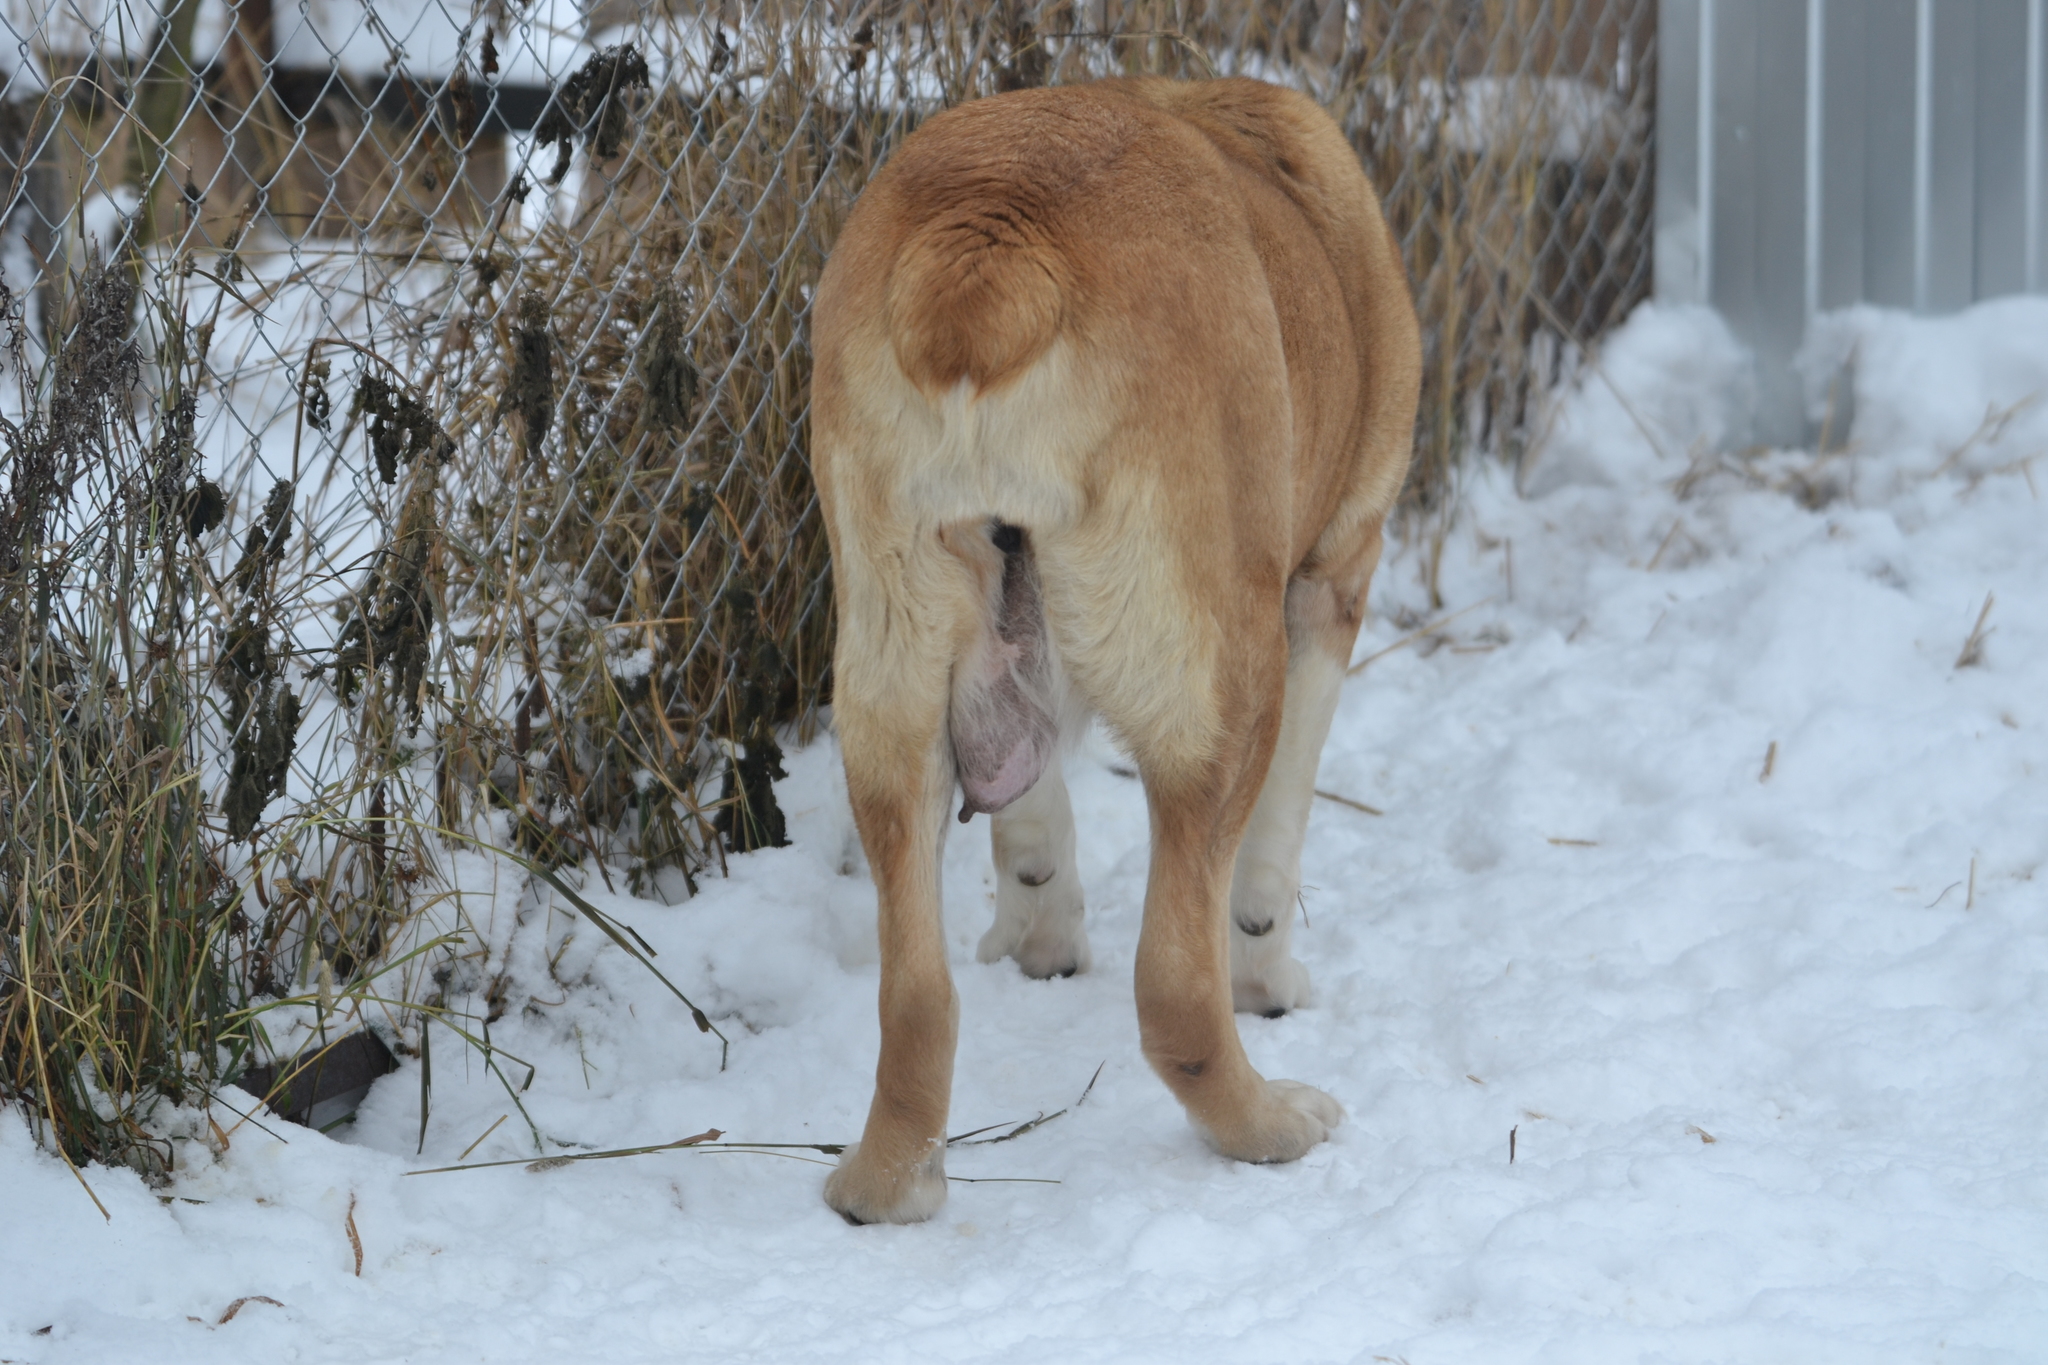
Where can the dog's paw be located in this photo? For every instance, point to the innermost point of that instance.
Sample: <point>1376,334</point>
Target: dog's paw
<point>1056,952</point>
<point>1000,941</point>
<point>1289,1119</point>
<point>1271,988</point>
<point>864,1191</point>
<point>1040,925</point>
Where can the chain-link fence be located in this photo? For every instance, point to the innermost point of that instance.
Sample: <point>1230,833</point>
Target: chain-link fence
<point>556,574</point>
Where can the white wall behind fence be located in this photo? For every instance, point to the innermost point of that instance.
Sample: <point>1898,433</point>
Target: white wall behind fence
<point>1813,154</point>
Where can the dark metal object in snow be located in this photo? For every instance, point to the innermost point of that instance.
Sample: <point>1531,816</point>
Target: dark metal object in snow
<point>318,1088</point>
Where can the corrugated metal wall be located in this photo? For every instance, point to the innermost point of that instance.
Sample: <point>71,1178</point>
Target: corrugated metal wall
<point>1817,153</point>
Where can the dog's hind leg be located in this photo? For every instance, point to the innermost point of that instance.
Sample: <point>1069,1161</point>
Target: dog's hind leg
<point>1201,783</point>
<point>1182,977</point>
<point>942,676</point>
<point>907,611</point>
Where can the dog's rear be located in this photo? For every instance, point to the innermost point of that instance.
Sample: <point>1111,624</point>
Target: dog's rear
<point>1113,389</point>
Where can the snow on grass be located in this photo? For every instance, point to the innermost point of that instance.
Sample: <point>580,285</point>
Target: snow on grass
<point>1705,872</point>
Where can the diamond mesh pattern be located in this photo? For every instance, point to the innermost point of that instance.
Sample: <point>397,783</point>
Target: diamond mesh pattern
<point>597,276</point>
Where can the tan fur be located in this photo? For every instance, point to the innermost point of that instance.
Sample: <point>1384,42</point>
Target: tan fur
<point>1162,328</point>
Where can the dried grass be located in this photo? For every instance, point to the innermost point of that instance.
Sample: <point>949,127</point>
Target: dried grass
<point>157,898</point>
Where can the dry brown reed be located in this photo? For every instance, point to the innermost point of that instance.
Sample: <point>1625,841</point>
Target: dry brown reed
<point>157,896</point>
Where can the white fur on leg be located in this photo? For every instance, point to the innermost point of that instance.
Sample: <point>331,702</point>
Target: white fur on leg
<point>1264,977</point>
<point>1038,888</point>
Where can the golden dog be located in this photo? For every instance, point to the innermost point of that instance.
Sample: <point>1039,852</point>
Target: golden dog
<point>1115,385</point>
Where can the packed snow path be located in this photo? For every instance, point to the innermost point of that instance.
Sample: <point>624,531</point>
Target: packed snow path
<point>1708,885</point>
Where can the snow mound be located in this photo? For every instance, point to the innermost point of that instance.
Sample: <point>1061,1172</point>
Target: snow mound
<point>1670,381</point>
<point>1968,391</point>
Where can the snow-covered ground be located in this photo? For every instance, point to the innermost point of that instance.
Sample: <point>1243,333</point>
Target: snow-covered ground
<point>1708,884</point>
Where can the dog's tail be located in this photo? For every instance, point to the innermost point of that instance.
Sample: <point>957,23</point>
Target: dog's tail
<point>976,295</point>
